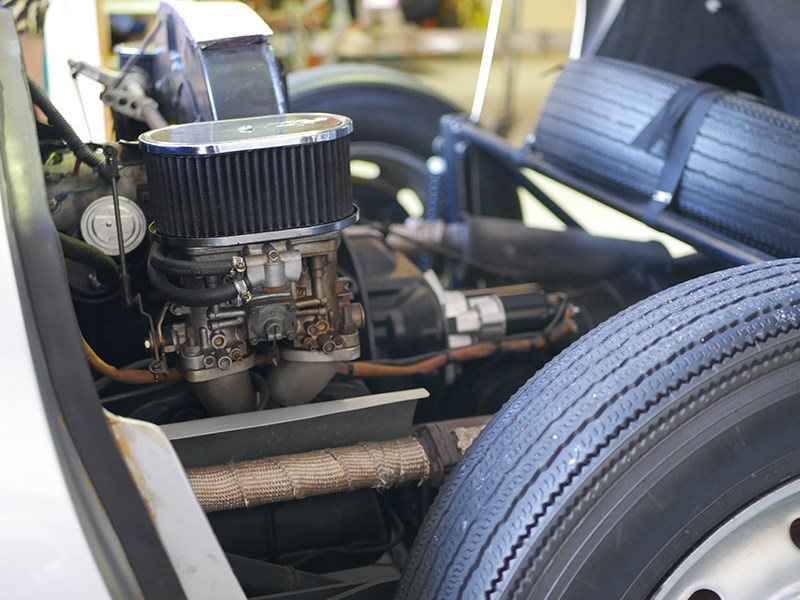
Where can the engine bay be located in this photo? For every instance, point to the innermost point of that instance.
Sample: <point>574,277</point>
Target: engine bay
<point>317,370</point>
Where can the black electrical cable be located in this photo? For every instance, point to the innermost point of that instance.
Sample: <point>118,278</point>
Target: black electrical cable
<point>139,391</point>
<point>57,120</point>
<point>82,297</point>
<point>153,405</point>
<point>187,268</point>
<point>84,253</point>
<point>191,297</point>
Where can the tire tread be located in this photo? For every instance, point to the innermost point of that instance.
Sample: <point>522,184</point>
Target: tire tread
<point>590,396</point>
<point>742,176</point>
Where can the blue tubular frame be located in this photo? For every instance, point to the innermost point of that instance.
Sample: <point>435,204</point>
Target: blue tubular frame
<point>459,135</point>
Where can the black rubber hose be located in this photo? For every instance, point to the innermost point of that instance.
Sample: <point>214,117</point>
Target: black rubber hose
<point>186,268</point>
<point>81,252</point>
<point>65,130</point>
<point>193,297</point>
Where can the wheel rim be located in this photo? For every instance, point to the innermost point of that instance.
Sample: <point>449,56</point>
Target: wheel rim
<point>389,182</point>
<point>755,554</point>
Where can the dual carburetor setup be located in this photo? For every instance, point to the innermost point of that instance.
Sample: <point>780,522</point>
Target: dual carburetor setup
<point>246,229</point>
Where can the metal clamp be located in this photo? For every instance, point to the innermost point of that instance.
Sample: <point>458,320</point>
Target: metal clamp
<point>241,287</point>
<point>662,197</point>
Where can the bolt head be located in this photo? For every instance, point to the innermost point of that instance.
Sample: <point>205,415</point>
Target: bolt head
<point>273,255</point>
<point>436,165</point>
<point>148,344</point>
<point>247,296</point>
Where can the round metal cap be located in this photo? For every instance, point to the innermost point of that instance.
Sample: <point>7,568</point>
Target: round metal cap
<point>251,133</point>
<point>99,228</point>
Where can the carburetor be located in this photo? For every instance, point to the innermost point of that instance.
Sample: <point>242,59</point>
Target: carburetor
<point>247,215</point>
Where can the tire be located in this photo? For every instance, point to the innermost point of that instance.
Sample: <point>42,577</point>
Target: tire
<point>741,178</point>
<point>392,109</point>
<point>626,451</point>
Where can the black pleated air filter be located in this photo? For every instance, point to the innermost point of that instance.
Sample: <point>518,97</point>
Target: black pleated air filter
<point>247,180</point>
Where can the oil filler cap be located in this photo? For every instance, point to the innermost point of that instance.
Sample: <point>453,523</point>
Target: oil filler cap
<point>99,228</point>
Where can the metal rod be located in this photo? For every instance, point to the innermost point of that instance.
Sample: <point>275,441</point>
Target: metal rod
<point>578,30</point>
<point>510,53</point>
<point>455,177</point>
<point>118,221</point>
<point>134,58</point>
<point>544,199</point>
<point>126,290</point>
<point>668,222</point>
<point>457,130</point>
<point>487,58</point>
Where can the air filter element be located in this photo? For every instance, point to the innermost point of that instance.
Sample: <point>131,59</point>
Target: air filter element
<point>250,180</point>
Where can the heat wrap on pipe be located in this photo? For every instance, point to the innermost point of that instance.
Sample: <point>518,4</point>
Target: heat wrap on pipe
<point>291,477</point>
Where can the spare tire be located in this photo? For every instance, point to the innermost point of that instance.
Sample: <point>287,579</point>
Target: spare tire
<point>742,177</point>
<point>634,450</point>
<point>393,110</point>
